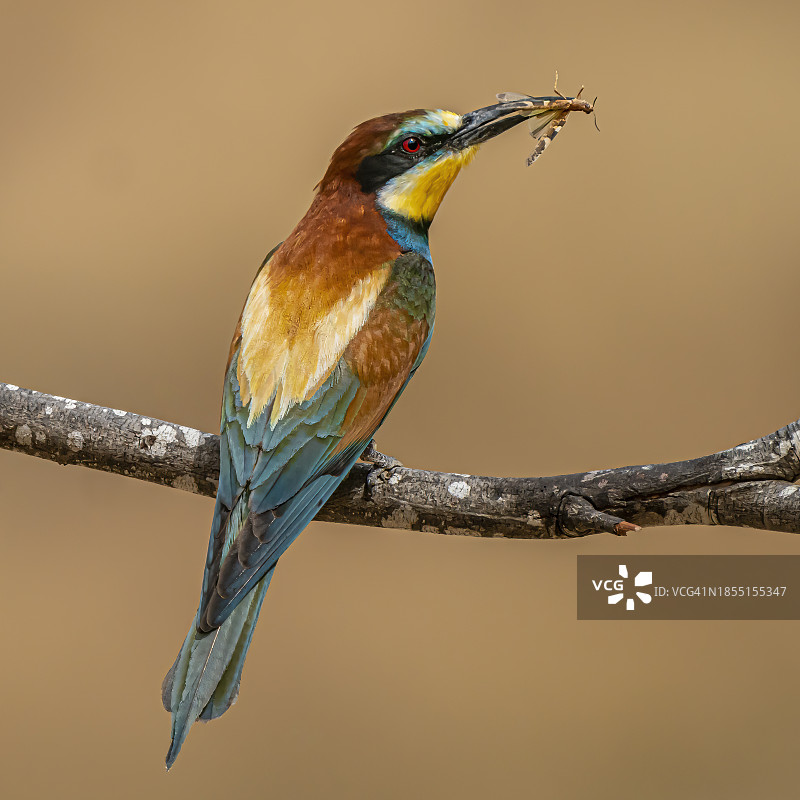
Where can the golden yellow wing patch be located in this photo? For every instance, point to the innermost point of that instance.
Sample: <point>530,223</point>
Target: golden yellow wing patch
<point>294,333</point>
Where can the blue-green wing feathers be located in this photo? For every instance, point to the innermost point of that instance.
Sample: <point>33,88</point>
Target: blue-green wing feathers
<point>284,481</point>
<point>273,481</point>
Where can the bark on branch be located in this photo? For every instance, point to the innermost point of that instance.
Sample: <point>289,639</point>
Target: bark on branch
<point>752,485</point>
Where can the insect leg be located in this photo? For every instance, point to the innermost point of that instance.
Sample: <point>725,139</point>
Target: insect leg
<point>555,88</point>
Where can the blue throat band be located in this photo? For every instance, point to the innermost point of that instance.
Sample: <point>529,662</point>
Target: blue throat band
<point>411,238</point>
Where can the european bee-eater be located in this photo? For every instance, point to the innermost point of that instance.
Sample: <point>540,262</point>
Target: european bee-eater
<point>338,319</point>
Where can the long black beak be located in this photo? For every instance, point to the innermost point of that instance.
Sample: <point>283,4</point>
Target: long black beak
<point>486,123</point>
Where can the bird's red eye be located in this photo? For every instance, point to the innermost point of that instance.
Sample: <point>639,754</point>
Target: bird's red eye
<point>412,145</point>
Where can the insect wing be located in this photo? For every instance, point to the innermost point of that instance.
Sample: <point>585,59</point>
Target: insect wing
<point>546,135</point>
<point>512,97</point>
<point>541,120</point>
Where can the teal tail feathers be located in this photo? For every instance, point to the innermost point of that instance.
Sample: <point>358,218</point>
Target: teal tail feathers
<point>203,682</point>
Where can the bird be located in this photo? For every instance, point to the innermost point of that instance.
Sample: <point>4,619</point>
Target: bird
<point>338,319</point>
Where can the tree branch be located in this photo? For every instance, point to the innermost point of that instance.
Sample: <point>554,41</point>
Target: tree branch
<point>750,486</point>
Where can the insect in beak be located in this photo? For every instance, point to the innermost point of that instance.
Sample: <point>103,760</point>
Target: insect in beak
<point>547,115</point>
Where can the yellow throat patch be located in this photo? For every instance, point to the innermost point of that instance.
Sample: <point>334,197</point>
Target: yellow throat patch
<point>417,193</point>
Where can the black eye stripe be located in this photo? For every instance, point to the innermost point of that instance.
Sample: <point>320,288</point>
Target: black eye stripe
<point>375,171</point>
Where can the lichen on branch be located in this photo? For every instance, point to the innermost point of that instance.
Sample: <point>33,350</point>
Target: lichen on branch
<point>751,485</point>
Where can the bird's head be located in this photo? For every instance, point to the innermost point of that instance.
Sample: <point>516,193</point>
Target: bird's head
<point>408,161</point>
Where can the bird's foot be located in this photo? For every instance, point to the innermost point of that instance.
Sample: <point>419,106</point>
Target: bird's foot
<point>382,466</point>
<point>372,456</point>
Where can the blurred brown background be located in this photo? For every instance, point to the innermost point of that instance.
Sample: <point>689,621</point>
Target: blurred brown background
<point>632,298</point>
